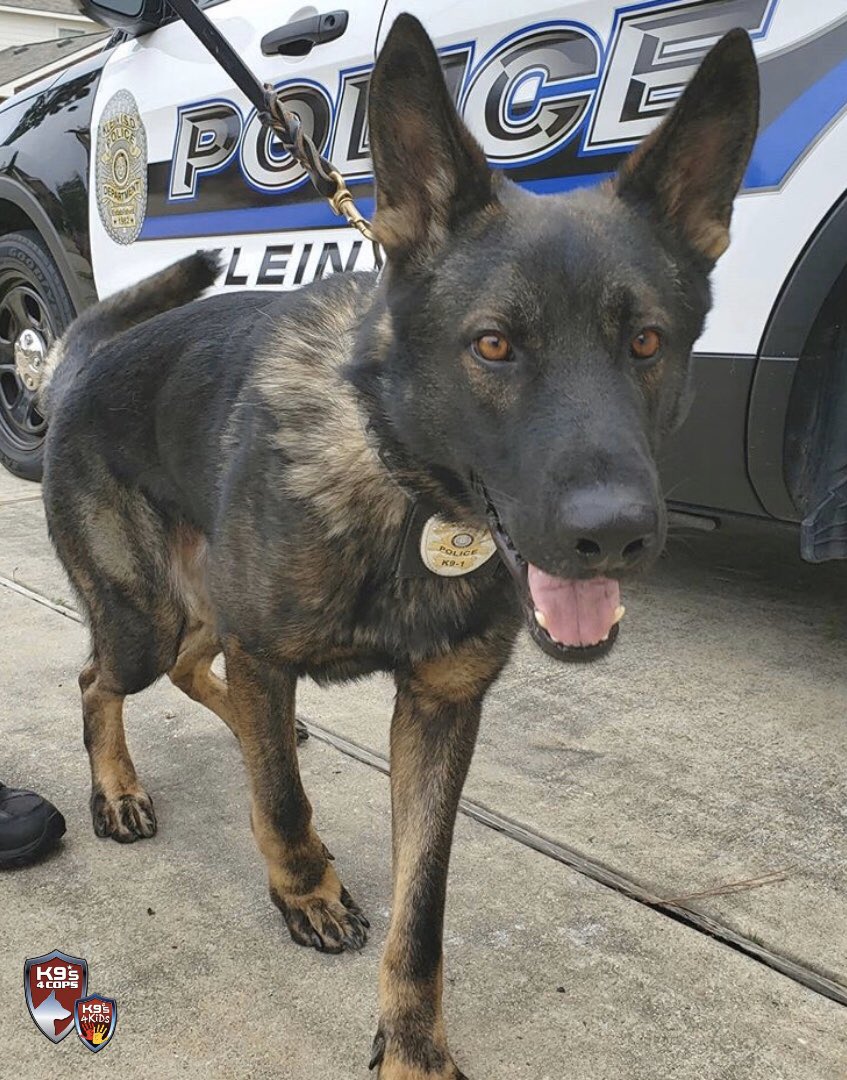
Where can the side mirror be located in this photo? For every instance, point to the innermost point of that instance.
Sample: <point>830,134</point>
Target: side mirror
<point>133,16</point>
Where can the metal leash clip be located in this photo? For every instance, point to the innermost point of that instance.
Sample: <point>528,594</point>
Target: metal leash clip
<point>343,205</point>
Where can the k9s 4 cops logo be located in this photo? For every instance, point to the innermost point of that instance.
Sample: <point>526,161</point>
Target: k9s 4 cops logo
<point>52,985</point>
<point>55,988</point>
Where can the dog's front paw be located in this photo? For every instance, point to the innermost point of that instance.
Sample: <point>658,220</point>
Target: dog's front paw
<point>422,1061</point>
<point>125,816</point>
<point>328,919</point>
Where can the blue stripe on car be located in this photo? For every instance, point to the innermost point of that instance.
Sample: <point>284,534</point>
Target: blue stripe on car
<point>785,140</point>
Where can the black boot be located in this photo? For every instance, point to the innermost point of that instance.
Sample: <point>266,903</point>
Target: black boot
<point>29,827</point>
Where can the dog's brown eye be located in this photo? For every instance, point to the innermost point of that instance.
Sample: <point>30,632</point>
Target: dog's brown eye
<point>493,347</point>
<point>645,344</point>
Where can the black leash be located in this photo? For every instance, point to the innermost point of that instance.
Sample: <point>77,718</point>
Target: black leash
<point>326,179</point>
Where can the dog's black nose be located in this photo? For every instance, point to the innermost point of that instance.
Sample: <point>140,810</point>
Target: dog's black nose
<point>610,528</point>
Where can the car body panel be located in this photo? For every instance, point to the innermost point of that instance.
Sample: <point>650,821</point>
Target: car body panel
<point>44,167</point>
<point>238,204</point>
<point>557,94</point>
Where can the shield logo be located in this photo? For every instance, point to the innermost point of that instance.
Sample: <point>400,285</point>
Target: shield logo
<point>95,1018</point>
<point>52,984</point>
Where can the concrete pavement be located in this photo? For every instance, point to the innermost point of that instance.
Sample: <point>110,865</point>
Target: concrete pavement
<point>710,748</point>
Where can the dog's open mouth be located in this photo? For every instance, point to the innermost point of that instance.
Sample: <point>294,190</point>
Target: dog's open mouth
<point>569,618</point>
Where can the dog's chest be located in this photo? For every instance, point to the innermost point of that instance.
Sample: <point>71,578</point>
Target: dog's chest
<point>392,612</point>
<point>344,578</point>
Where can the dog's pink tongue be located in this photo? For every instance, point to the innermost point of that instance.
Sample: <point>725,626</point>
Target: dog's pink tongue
<point>575,612</point>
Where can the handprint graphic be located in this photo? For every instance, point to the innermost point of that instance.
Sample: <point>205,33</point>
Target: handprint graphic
<point>95,1033</point>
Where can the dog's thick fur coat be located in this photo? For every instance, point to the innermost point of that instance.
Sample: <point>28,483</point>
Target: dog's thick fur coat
<point>234,474</point>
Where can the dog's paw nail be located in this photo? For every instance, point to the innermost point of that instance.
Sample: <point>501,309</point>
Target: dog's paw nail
<point>124,818</point>
<point>377,1050</point>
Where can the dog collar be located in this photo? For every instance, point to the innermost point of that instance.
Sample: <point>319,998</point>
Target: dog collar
<point>430,543</point>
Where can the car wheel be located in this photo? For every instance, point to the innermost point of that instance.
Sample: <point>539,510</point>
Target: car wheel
<point>35,308</point>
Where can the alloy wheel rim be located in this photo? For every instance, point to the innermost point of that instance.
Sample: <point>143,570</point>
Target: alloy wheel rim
<point>26,329</point>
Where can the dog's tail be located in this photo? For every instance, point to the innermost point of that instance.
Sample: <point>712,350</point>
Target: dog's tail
<point>172,287</point>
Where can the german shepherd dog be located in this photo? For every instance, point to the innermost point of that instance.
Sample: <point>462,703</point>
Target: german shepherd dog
<point>240,473</point>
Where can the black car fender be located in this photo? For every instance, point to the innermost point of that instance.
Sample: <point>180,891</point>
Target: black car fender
<point>19,208</point>
<point>45,147</point>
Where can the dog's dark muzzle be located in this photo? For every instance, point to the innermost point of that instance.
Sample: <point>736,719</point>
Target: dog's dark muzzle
<point>608,529</point>
<point>573,607</point>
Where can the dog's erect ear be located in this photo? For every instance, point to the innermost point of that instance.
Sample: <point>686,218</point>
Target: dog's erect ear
<point>430,171</point>
<point>687,172</point>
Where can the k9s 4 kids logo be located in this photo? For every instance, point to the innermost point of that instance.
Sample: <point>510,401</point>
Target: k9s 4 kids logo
<point>55,988</point>
<point>95,1018</point>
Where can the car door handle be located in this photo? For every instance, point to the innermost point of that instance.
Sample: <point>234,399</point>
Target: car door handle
<point>299,38</point>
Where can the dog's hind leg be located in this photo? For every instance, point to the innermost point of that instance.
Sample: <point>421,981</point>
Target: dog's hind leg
<point>120,807</point>
<point>193,673</point>
<point>200,643</point>
<point>317,908</point>
<point>135,632</point>
<point>114,545</point>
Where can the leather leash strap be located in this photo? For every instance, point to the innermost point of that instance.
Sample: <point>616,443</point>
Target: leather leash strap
<point>326,179</point>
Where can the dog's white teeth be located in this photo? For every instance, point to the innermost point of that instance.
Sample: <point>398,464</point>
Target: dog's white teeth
<point>540,619</point>
<point>620,611</point>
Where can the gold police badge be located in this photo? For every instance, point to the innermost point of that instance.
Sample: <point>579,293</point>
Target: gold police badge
<point>449,548</point>
<point>121,179</point>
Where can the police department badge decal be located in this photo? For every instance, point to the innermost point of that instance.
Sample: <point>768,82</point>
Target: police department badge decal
<point>121,173</point>
<point>52,984</point>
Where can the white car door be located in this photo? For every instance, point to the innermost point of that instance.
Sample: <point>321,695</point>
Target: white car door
<point>180,161</point>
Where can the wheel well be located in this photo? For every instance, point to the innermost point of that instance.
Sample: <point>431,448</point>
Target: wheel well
<point>21,211</point>
<point>12,218</point>
<point>815,450</point>
<point>803,364</point>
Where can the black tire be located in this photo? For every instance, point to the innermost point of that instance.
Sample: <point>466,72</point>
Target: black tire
<point>32,295</point>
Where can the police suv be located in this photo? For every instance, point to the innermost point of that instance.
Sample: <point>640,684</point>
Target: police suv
<point>134,157</point>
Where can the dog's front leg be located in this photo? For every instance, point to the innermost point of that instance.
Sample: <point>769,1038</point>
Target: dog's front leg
<point>317,908</point>
<point>433,732</point>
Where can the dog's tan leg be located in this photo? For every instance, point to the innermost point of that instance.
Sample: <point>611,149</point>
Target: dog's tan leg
<point>317,908</point>
<point>433,733</point>
<point>120,807</point>
<point>193,674</point>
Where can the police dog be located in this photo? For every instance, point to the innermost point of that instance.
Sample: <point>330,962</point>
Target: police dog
<point>241,475</point>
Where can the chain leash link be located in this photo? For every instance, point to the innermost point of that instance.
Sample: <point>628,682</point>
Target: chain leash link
<point>326,179</point>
